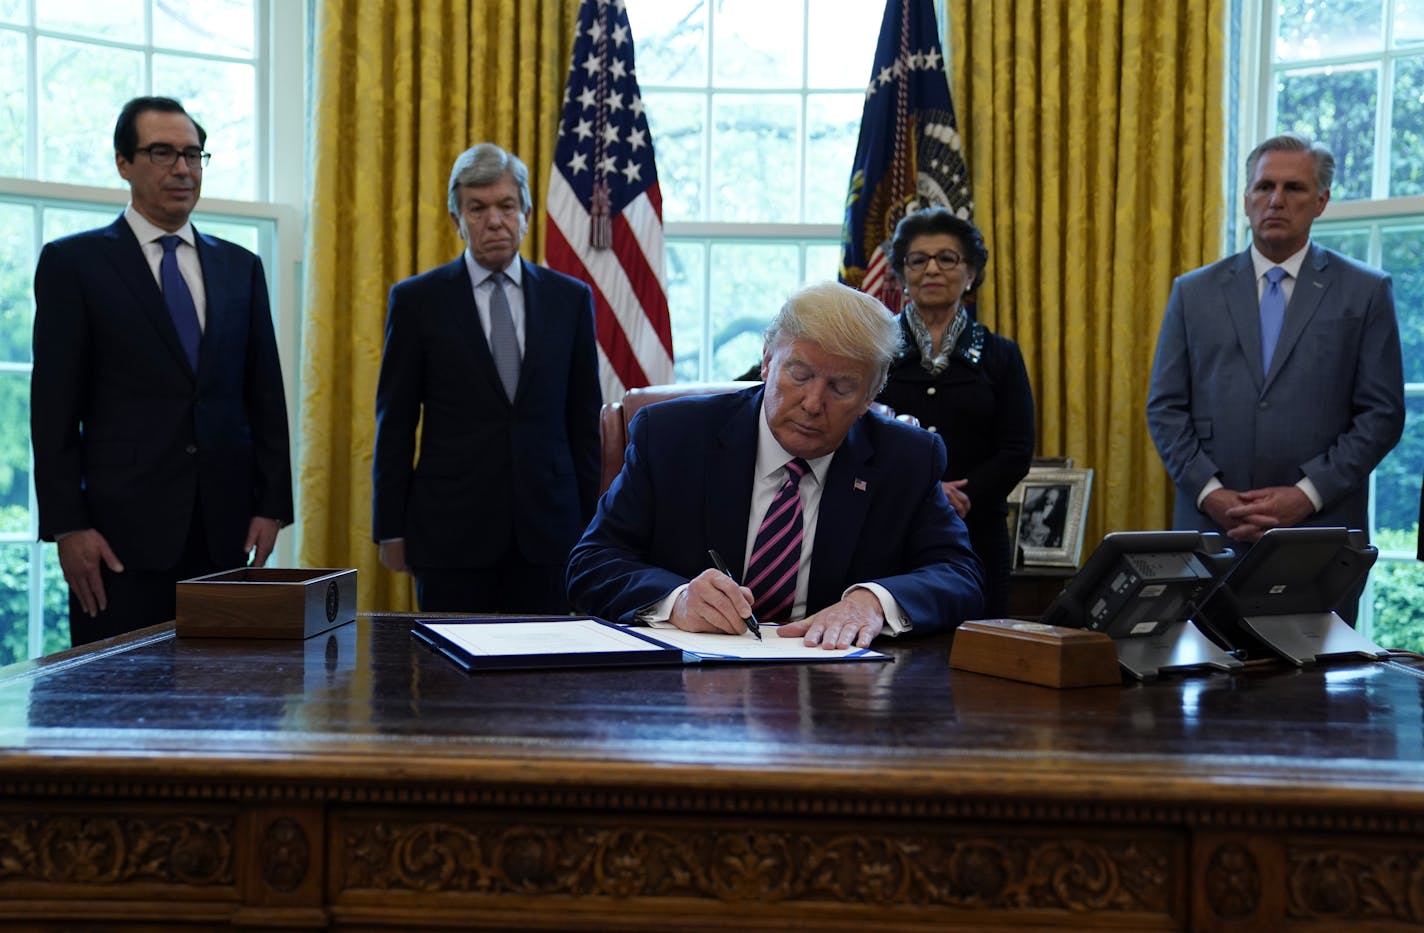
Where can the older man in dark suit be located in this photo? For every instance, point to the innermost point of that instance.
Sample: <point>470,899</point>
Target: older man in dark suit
<point>156,406</point>
<point>498,354</point>
<point>1278,385</point>
<point>831,517</point>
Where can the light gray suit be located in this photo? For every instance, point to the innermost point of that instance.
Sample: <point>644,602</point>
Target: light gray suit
<point>1330,408</point>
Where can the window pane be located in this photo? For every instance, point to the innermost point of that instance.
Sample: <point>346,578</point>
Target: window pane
<point>754,158</point>
<point>1398,598</point>
<point>841,42</point>
<point>1336,106</point>
<point>822,263</point>
<point>750,282</point>
<point>14,115</point>
<point>1317,28</point>
<point>687,277</point>
<point>1402,256</point>
<point>14,602</point>
<point>55,600</point>
<point>1408,24</point>
<point>832,131</point>
<point>214,27</point>
<point>1406,139</point>
<point>757,44</point>
<point>245,233</point>
<point>14,11</point>
<point>62,221</point>
<point>677,122</point>
<point>222,97</point>
<point>17,269</point>
<point>670,43</point>
<point>81,94</point>
<point>100,19</point>
<point>15,452</point>
<point>1397,476</point>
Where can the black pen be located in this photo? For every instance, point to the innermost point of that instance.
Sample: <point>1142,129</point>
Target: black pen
<point>752,624</point>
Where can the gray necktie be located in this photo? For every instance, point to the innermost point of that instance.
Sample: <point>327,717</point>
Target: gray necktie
<point>504,346</point>
<point>1273,315</point>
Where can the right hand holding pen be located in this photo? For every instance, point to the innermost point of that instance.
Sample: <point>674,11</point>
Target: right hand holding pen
<point>713,602</point>
<point>79,557</point>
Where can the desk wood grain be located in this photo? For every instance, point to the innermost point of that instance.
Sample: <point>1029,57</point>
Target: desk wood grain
<point>358,781</point>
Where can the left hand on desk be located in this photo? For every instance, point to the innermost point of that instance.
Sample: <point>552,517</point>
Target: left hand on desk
<point>855,620</point>
<point>1270,507</point>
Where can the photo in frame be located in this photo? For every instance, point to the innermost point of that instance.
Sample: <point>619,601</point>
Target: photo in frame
<point>1052,511</point>
<point>1012,520</point>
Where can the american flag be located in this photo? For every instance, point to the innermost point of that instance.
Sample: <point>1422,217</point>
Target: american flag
<point>605,210</point>
<point>909,155</point>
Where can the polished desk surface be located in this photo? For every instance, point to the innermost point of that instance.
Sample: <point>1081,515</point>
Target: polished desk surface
<point>359,781</point>
<point>367,701</point>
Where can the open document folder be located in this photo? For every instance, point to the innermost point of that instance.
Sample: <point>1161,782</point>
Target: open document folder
<point>504,643</point>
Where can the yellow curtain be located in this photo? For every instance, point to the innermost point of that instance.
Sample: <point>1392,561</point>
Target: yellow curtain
<point>401,88</point>
<point>1095,139</point>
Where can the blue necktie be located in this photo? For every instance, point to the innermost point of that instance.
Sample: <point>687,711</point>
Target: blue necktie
<point>179,300</point>
<point>504,345</point>
<point>1273,315</point>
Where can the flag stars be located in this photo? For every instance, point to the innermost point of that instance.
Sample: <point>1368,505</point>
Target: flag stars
<point>620,35</point>
<point>637,139</point>
<point>595,32</point>
<point>588,98</point>
<point>578,163</point>
<point>932,60</point>
<point>610,134</point>
<point>591,64</point>
<point>637,107</point>
<point>615,103</point>
<point>618,69</point>
<point>583,129</point>
<point>608,165</point>
<point>885,76</point>
<point>632,171</point>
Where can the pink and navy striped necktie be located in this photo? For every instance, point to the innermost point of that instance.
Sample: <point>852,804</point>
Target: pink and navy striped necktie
<point>776,555</point>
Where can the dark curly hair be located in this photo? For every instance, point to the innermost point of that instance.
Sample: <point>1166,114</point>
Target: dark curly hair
<point>933,220</point>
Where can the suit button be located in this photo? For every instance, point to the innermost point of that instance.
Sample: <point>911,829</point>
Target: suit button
<point>1263,405</point>
<point>190,449</point>
<point>930,390</point>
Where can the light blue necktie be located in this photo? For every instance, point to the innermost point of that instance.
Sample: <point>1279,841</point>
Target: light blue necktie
<point>504,345</point>
<point>1273,315</point>
<point>179,300</point>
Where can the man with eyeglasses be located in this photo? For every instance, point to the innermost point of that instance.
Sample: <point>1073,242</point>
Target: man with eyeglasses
<point>157,413</point>
<point>494,357</point>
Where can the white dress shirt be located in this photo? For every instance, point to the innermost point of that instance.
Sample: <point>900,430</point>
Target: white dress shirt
<point>149,234</point>
<point>480,278</point>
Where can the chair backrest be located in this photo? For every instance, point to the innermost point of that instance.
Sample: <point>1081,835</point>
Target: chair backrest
<point>613,419</point>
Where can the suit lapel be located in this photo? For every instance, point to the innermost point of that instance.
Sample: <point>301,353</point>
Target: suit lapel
<point>1244,308</point>
<point>851,481</point>
<point>535,322</point>
<point>215,274</point>
<point>126,257</point>
<point>730,469</point>
<point>1310,288</point>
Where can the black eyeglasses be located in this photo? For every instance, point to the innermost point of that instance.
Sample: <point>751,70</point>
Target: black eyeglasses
<point>165,155</point>
<point>946,259</point>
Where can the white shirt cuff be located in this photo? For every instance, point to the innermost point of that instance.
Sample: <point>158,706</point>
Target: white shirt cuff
<point>1212,485</point>
<point>1311,493</point>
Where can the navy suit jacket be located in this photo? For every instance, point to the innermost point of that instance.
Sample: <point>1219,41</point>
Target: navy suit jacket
<point>493,474</point>
<point>126,436</point>
<point>1330,408</point>
<point>686,486</point>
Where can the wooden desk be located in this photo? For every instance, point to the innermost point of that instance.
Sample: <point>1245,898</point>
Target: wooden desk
<point>360,782</point>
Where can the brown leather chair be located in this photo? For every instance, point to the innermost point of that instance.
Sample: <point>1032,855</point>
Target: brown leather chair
<point>614,417</point>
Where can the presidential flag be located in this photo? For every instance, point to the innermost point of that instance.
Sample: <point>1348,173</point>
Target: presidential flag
<point>605,210</point>
<point>909,156</point>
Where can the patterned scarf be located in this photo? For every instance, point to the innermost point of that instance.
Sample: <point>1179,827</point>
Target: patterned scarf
<point>934,361</point>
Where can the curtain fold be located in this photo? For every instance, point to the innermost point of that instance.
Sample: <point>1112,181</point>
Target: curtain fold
<point>1095,136</point>
<point>400,88</point>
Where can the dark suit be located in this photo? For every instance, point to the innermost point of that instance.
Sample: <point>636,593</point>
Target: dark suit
<point>1331,407</point>
<point>495,479</point>
<point>982,405</point>
<point>128,439</point>
<point>686,486</point>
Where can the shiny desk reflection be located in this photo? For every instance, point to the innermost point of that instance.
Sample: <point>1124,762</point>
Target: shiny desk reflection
<point>360,781</point>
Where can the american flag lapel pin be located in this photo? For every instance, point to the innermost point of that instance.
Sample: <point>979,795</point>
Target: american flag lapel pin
<point>859,485</point>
